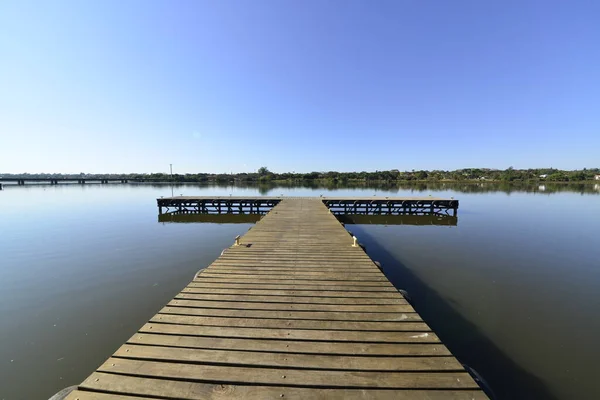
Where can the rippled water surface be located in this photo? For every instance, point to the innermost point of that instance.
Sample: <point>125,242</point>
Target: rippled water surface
<point>513,289</point>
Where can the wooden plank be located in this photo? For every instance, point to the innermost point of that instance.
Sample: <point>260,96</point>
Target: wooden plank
<point>255,265</point>
<point>177,318</point>
<point>294,268</point>
<point>320,253</point>
<point>325,258</point>
<point>287,377</point>
<point>295,250</point>
<point>300,273</point>
<point>192,390</point>
<point>85,395</point>
<point>199,284</point>
<point>293,334</point>
<point>298,277</point>
<point>338,308</point>
<point>292,346</point>
<point>297,264</point>
<point>260,259</point>
<point>292,282</point>
<point>277,262</point>
<point>291,299</point>
<point>304,293</point>
<point>342,268</point>
<point>285,315</point>
<point>296,247</point>
<point>284,360</point>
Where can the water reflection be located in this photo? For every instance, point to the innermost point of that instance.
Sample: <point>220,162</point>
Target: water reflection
<point>210,218</point>
<point>432,219</point>
<point>362,219</point>
<point>273,188</point>
<point>406,219</point>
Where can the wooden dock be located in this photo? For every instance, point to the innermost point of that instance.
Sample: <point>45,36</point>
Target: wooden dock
<point>376,205</point>
<point>295,312</point>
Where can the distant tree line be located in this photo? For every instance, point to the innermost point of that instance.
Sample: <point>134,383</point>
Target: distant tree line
<point>265,175</point>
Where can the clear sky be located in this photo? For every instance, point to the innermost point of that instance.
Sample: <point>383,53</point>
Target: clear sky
<point>220,86</point>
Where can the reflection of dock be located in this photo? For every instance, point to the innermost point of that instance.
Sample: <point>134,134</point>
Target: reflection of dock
<point>294,310</point>
<point>210,218</point>
<point>434,219</point>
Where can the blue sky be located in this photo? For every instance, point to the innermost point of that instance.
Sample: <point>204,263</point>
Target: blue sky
<point>220,86</point>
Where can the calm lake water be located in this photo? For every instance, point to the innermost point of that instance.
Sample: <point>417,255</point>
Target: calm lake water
<point>513,290</point>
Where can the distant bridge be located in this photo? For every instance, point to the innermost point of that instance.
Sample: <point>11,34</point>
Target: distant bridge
<point>56,181</point>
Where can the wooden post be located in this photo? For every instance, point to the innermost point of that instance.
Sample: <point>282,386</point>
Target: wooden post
<point>355,239</point>
<point>237,240</point>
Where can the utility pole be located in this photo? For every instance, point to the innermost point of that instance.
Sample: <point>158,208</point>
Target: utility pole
<point>171,168</point>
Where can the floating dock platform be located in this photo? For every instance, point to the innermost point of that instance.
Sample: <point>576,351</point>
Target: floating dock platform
<point>337,205</point>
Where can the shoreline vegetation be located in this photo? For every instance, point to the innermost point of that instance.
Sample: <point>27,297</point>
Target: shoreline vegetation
<point>263,175</point>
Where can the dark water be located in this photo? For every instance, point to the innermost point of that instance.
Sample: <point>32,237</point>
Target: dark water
<point>513,289</point>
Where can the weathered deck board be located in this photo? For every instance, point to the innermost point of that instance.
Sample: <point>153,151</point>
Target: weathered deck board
<point>292,346</point>
<point>278,323</point>
<point>343,309</point>
<point>331,335</point>
<point>294,282</point>
<point>262,286</point>
<point>287,315</point>
<point>294,377</point>
<point>215,391</point>
<point>295,311</point>
<point>303,361</point>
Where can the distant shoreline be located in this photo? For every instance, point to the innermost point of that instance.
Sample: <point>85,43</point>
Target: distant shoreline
<point>263,175</point>
<point>319,180</point>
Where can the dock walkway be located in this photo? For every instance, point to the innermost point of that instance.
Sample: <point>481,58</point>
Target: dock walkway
<point>295,312</point>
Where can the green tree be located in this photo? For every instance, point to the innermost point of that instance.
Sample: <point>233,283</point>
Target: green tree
<point>262,171</point>
<point>422,175</point>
